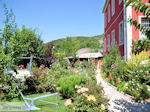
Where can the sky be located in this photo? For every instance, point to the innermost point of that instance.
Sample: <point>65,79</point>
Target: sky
<point>57,19</point>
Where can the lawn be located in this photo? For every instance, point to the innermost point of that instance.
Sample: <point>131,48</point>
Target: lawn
<point>45,107</point>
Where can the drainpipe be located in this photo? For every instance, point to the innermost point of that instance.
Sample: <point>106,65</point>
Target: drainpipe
<point>125,31</point>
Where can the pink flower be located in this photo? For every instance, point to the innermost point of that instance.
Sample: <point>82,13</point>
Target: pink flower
<point>68,102</point>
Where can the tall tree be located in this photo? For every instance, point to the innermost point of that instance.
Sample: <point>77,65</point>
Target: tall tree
<point>27,42</point>
<point>9,28</point>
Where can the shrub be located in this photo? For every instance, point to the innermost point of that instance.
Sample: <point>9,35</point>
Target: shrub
<point>89,98</point>
<point>67,84</point>
<point>140,45</point>
<point>110,59</point>
<point>8,87</point>
<point>137,76</point>
<point>138,90</point>
<point>41,81</point>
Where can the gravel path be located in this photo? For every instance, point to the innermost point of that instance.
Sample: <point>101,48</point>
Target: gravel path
<point>119,102</point>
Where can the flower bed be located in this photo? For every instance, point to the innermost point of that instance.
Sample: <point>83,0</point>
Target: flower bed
<point>88,98</point>
<point>132,76</point>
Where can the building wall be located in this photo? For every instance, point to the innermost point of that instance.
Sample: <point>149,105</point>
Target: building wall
<point>114,24</point>
<point>131,31</point>
<point>136,16</point>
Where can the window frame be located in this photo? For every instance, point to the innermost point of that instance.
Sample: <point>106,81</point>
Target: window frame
<point>113,7</point>
<point>105,20</point>
<point>109,13</point>
<point>108,42</point>
<point>113,38</point>
<point>121,41</point>
<point>105,45</point>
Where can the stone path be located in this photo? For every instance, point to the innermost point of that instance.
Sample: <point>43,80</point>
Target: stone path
<point>119,102</point>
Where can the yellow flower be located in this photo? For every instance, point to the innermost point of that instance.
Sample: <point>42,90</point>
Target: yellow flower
<point>102,107</point>
<point>91,97</point>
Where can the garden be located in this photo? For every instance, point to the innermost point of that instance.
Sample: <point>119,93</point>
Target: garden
<point>75,85</point>
<point>132,76</point>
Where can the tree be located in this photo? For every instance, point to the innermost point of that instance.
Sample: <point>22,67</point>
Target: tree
<point>26,43</point>
<point>9,29</point>
<point>6,34</point>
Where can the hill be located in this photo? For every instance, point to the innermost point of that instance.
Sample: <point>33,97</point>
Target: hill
<point>70,45</point>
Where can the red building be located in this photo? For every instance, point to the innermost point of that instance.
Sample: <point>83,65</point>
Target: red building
<point>118,29</point>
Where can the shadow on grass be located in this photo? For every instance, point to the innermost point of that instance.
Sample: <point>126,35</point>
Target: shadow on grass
<point>130,107</point>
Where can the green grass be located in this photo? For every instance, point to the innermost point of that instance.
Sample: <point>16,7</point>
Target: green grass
<point>45,107</point>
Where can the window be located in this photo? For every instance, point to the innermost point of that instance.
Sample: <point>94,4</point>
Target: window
<point>120,1</point>
<point>113,38</point>
<point>121,33</point>
<point>145,22</point>
<point>105,45</point>
<point>104,19</point>
<point>109,13</point>
<point>113,7</point>
<point>108,42</point>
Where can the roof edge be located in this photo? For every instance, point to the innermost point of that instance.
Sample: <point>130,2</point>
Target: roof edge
<point>106,4</point>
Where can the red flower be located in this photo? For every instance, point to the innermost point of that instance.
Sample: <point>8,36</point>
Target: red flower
<point>116,80</point>
<point>110,74</point>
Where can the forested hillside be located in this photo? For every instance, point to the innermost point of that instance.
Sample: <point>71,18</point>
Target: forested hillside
<point>70,45</point>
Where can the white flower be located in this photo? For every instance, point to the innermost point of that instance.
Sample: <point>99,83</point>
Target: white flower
<point>144,62</point>
<point>141,70</point>
<point>126,84</point>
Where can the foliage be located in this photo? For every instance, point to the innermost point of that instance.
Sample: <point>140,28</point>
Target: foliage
<point>9,29</point>
<point>138,90</point>
<point>48,57</point>
<point>59,71</point>
<point>69,46</point>
<point>140,45</point>
<point>26,43</point>
<point>8,87</point>
<point>67,84</point>
<point>131,76</point>
<point>135,60</point>
<point>63,63</point>
<point>110,59</point>
<point>89,99</point>
<point>139,6</point>
<point>41,81</point>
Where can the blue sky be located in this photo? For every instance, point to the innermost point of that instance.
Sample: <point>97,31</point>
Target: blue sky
<point>57,19</point>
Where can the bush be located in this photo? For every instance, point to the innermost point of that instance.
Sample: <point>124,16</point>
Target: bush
<point>132,76</point>
<point>140,45</point>
<point>110,59</point>
<point>138,90</point>
<point>67,84</point>
<point>8,87</point>
<point>89,98</point>
<point>137,76</point>
<point>41,81</point>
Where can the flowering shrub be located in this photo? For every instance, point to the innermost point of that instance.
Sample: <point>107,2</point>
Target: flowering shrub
<point>131,76</point>
<point>89,98</point>
<point>110,59</point>
<point>41,81</point>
